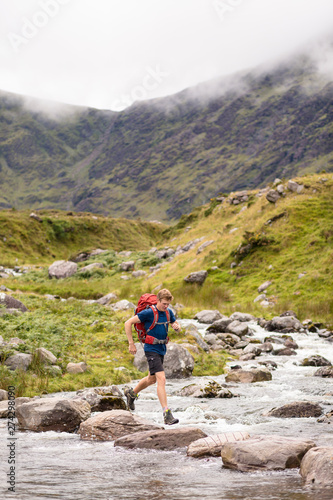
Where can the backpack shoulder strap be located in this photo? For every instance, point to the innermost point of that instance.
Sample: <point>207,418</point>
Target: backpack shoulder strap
<point>155,320</point>
<point>168,315</point>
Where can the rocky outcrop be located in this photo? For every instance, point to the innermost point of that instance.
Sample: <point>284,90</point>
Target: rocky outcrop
<point>249,376</point>
<point>111,425</point>
<point>316,468</point>
<point>265,452</point>
<point>163,439</point>
<point>10,303</point>
<point>62,269</point>
<point>196,277</point>
<point>298,409</point>
<point>211,446</point>
<point>237,328</point>
<point>52,414</point>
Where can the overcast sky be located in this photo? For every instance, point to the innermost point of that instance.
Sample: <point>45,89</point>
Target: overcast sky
<point>109,53</point>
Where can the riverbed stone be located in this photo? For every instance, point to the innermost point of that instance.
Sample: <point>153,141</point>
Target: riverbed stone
<point>237,328</point>
<point>111,425</point>
<point>162,439</point>
<point>52,414</point>
<point>210,390</point>
<point>211,446</point>
<point>62,269</point>
<point>327,418</point>
<point>239,316</point>
<point>316,360</point>
<point>316,468</point>
<point>266,452</point>
<point>10,303</point>
<point>220,326</point>
<point>297,409</point>
<point>286,351</point>
<point>4,405</point>
<point>208,316</point>
<point>279,323</point>
<point>265,347</point>
<point>249,376</point>
<point>19,360</point>
<point>325,371</point>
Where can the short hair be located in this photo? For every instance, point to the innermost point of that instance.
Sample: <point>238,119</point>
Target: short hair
<point>164,294</point>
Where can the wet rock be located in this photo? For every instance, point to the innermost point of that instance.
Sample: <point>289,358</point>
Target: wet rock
<point>99,402</point>
<point>163,439</point>
<point>249,376</point>
<point>268,363</point>
<point>289,342</point>
<point>208,316</point>
<point>106,299</point>
<point>238,328</point>
<point>266,347</point>
<point>279,323</point>
<point>211,390</point>
<point>316,468</point>
<point>211,446</point>
<point>193,331</point>
<point>45,356</point>
<point>127,266</point>
<point>239,316</point>
<point>316,360</point>
<point>52,414</point>
<point>122,305</point>
<point>62,269</point>
<point>76,367</point>
<point>196,277</point>
<point>284,352</point>
<point>10,303</point>
<point>4,406</point>
<point>325,371</point>
<point>220,326</point>
<point>265,453</point>
<point>253,349</point>
<point>229,338</point>
<point>178,362</point>
<point>298,409</point>
<point>20,360</point>
<point>327,418</point>
<point>111,425</point>
<point>211,338</point>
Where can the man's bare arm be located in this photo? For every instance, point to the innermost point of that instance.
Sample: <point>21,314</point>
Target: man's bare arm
<point>128,331</point>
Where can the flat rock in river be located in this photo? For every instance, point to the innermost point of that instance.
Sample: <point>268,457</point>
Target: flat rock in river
<point>163,439</point>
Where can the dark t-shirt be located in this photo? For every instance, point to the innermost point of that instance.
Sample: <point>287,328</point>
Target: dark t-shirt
<point>160,331</point>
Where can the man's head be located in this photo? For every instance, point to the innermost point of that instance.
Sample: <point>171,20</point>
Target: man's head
<point>164,298</point>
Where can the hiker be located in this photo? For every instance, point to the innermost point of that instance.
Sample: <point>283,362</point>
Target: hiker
<point>154,350</point>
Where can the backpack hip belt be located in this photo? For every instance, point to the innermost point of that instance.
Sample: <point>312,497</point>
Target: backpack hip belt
<point>153,340</point>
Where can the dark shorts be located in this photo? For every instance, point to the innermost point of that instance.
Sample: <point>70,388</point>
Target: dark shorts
<point>155,362</point>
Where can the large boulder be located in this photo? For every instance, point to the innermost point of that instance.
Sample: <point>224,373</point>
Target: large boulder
<point>19,360</point>
<point>4,405</point>
<point>76,367</point>
<point>196,277</point>
<point>62,269</point>
<point>211,446</point>
<point>249,376</point>
<point>239,316</point>
<point>237,328</point>
<point>279,323</point>
<point>220,326</point>
<point>295,187</point>
<point>265,452</point>
<point>298,409</point>
<point>122,305</point>
<point>316,468</point>
<point>52,414</point>
<point>3,395</point>
<point>10,303</point>
<point>110,425</point>
<point>208,316</point>
<point>127,266</point>
<point>178,362</point>
<point>140,360</point>
<point>161,439</point>
<point>211,390</point>
<point>103,398</point>
<point>272,196</point>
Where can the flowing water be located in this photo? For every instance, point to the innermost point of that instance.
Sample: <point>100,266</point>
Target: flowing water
<point>61,466</point>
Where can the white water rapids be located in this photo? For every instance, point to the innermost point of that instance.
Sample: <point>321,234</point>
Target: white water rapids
<point>60,466</point>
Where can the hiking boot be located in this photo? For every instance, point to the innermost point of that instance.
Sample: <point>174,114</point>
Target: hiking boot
<point>169,419</point>
<point>131,397</point>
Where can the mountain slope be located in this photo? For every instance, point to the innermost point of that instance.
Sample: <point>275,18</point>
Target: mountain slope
<point>161,158</point>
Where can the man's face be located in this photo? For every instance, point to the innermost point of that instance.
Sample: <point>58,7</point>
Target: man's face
<point>163,304</point>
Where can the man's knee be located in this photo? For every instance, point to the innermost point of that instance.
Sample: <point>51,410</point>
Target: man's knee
<point>151,379</point>
<point>160,376</point>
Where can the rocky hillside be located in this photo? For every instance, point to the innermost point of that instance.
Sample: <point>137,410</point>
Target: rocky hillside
<point>160,159</point>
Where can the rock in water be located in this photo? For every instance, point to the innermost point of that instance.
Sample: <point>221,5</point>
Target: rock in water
<point>317,469</point>
<point>212,445</point>
<point>162,439</point>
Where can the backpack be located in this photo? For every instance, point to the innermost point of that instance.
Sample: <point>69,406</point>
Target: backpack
<point>146,301</point>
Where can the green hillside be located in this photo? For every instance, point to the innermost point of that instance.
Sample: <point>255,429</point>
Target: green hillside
<point>289,243</point>
<point>160,159</point>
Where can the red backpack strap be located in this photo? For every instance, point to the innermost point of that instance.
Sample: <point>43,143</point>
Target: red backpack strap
<point>155,320</point>
<point>168,315</point>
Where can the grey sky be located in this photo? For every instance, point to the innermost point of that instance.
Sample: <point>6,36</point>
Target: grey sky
<point>108,53</point>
